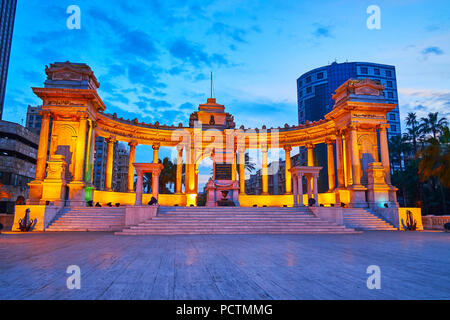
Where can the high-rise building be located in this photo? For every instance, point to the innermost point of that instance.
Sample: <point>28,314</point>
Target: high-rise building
<point>18,154</point>
<point>7,14</point>
<point>34,119</point>
<point>316,87</point>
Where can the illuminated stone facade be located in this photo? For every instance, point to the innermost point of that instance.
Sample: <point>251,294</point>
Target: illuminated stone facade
<point>78,116</point>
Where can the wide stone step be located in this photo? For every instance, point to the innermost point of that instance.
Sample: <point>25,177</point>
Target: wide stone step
<point>128,233</point>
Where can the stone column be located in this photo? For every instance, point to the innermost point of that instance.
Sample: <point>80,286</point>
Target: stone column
<point>155,148</point>
<point>89,166</point>
<point>241,170</point>
<point>340,161</point>
<point>300,189</point>
<point>310,148</point>
<point>233,167</point>
<point>316,193</point>
<point>139,186</point>
<point>287,165</point>
<point>384,151</point>
<point>179,169</point>
<point>347,162</point>
<point>356,164</point>
<point>295,193</point>
<point>155,183</point>
<point>330,164</point>
<point>155,179</point>
<point>80,150</point>
<point>131,157</point>
<point>187,167</point>
<point>265,172</point>
<point>43,146</point>
<point>109,162</point>
<point>309,185</point>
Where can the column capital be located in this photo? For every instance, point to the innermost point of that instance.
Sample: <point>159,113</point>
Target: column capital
<point>310,146</point>
<point>287,147</point>
<point>329,141</point>
<point>180,147</point>
<point>353,126</point>
<point>264,149</point>
<point>45,114</point>
<point>383,126</point>
<point>111,139</point>
<point>241,149</point>
<point>156,145</point>
<point>82,115</point>
<point>133,143</point>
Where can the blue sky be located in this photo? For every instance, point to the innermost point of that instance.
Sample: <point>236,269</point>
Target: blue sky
<point>153,58</point>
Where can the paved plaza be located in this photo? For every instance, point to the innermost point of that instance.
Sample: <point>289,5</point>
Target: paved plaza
<point>413,266</point>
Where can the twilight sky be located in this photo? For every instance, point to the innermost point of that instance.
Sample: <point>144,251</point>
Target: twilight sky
<point>153,58</point>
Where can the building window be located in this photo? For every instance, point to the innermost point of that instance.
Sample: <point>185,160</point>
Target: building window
<point>392,116</point>
<point>390,95</point>
<point>364,70</point>
<point>308,90</point>
<point>393,127</point>
<point>308,79</point>
<point>388,73</point>
<point>299,83</point>
<point>389,84</point>
<point>376,71</point>
<point>320,75</point>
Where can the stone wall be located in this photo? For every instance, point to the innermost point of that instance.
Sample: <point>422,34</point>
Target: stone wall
<point>435,222</point>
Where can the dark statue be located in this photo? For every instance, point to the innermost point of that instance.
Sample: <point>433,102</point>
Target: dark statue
<point>26,223</point>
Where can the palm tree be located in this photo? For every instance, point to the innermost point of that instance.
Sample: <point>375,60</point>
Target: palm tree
<point>250,166</point>
<point>168,175</point>
<point>435,162</point>
<point>398,146</point>
<point>432,124</point>
<point>414,129</point>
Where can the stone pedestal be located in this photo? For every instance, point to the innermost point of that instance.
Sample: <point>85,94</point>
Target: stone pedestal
<point>377,188</point>
<point>54,185</point>
<point>77,194</point>
<point>35,192</point>
<point>357,196</point>
<point>214,190</point>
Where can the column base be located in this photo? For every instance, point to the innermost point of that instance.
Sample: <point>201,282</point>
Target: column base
<point>35,193</point>
<point>77,193</point>
<point>357,196</point>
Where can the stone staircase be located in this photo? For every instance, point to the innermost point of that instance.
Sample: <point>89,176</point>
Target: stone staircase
<point>234,220</point>
<point>89,219</point>
<point>363,219</point>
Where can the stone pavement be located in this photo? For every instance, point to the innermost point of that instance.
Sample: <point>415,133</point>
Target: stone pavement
<point>413,265</point>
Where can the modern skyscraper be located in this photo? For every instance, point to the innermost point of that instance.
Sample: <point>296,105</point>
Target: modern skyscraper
<point>7,14</point>
<point>316,87</point>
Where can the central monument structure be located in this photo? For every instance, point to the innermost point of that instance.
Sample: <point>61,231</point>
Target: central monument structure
<point>358,169</point>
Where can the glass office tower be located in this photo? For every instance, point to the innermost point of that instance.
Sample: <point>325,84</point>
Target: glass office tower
<point>7,14</point>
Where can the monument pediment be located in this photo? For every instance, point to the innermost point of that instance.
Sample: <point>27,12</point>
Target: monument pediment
<point>67,71</point>
<point>357,87</point>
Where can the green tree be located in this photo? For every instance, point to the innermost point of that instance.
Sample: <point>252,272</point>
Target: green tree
<point>432,124</point>
<point>398,146</point>
<point>434,164</point>
<point>413,128</point>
